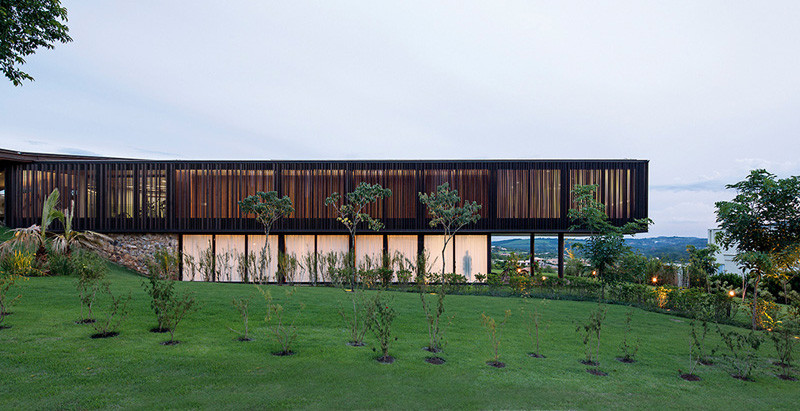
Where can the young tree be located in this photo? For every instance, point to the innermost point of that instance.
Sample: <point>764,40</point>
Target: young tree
<point>762,222</point>
<point>446,213</point>
<point>26,25</point>
<point>702,263</point>
<point>606,242</point>
<point>351,213</point>
<point>268,208</point>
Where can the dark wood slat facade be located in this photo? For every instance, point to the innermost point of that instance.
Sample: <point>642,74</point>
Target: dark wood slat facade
<point>116,196</point>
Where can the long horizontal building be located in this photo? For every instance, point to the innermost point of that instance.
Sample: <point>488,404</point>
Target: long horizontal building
<point>192,205</point>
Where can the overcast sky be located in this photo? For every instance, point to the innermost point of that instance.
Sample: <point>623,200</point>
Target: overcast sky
<point>704,90</point>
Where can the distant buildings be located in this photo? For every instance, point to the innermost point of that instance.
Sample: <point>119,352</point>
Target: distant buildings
<point>724,255</point>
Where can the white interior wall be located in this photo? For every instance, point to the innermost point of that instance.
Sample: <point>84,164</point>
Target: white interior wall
<point>193,246</point>
<point>433,246</point>
<point>369,245</point>
<point>471,256</point>
<point>229,248</point>
<point>406,245</point>
<point>300,245</point>
<point>326,244</point>
<point>255,246</point>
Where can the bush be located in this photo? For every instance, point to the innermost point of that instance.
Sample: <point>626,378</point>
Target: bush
<point>280,327</point>
<point>61,264</point>
<point>733,280</point>
<point>20,262</point>
<point>91,270</point>
<point>7,283</point>
<point>379,320</point>
<point>117,310</point>
<point>742,352</point>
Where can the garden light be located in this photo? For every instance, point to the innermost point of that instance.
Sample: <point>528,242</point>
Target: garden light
<point>544,278</point>
<point>655,280</point>
<point>732,293</point>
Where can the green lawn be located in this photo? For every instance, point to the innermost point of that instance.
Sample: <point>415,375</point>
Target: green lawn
<point>47,361</point>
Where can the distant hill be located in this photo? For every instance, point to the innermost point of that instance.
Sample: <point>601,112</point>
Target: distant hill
<point>666,248</point>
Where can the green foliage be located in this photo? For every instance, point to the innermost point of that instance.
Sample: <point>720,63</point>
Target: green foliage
<point>742,353</point>
<point>495,330</point>
<point>61,264</point>
<point>115,313</point>
<point>8,282</point>
<point>242,306</point>
<point>606,242</point>
<point>287,268</point>
<point>379,320</point>
<point>702,265</point>
<point>698,353</point>
<point>268,208</point>
<point>91,270</point>
<point>174,310</point>
<point>628,348</point>
<point>35,236</point>
<point>168,306</point>
<point>26,25</point>
<point>283,329</point>
<point>591,333</point>
<point>532,319</point>
<point>784,331</point>
<point>352,212</point>
<point>20,262</point>
<point>69,238</point>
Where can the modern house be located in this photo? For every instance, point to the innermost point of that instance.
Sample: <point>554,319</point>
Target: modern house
<point>192,205</point>
<point>725,255</point>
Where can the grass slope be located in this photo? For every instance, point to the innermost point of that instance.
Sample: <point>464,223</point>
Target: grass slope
<point>47,361</point>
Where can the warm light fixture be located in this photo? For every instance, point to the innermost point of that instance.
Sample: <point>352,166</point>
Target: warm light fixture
<point>655,280</point>
<point>544,278</point>
<point>732,293</point>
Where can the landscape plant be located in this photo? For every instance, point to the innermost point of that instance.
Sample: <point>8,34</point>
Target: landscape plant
<point>446,214</point>
<point>68,239</point>
<point>242,306</point>
<point>590,331</point>
<point>783,332</point>
<point>495,330</point>
<point>161,288</point>
<point>174,310</point>
<point>628,348</point>
<point>283,329</point>
<point>108,324</point>
<point>697,350</point>
<point>287,268</point>
<point>268,208</point>
<point>91,270</point>
<point>8,282</point>
<point>36,235</point>
<point>761,222</point>
<point>380,317</point>
<point>532,318</point>
<point>742,352</point>
<point>351,212</point>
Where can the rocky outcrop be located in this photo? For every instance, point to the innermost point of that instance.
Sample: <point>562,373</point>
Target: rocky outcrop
<point>135,250</point>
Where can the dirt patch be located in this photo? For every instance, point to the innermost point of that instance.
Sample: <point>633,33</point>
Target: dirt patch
<point>626,360</point>
<point>432,350</point>
<point>591,363</point>
<point>105,335</point>
<point>786,377</point>
<point>283,353</point>
<point>387,359</point>
<point>85,321</point>
<point>706,362</point>
<point>159,330</point>
<point>690,377</point>
<point>595,371</point>
<point>173,342</point>
<point>4,327</point>
<point>434,360</point>
<point>496,364</point>
<point>779,364</point>
<point>244,339</point>
<point>355,344</point>
<point>739,377</point>
<point>534,355</point>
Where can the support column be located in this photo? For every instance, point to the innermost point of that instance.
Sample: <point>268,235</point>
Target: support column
<point>560,255</point>
<point>488,254</point>
<point>533,252</point>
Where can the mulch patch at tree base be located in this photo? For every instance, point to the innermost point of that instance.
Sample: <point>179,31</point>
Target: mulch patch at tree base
<point>739,377</point>
<point>706,362</point>
<point>385,360</point>
<point>355,344</point>
<point>6,313</point>
<point>587,362</point>
<point>433,350</point>
<point>4,327</point>
<point>159,330</point>
<point>786,377</point>
<point>534,355</point>
<point>283,353</point>
<point>105,335</point>
<point>690,377</point>
<point>85,321</point>
<point>779,363</point>
<point>173,342</point>
<point>244,339</point>
<point>597,372</point>
<point>434,360</point>
<point>626,360</point>
<point>496,364</point>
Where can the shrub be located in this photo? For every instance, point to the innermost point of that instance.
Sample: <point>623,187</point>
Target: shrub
<point>742,352</point>
<point>61,264</point>
<point>591,331</point>
<point>629,349</point>
<point>532,318</point>
<point>20,262</point>
<point>287,268</point>
<point>280,327</point>
<point>480,277</point>
<point>380,317</point>
<point>91,270</point>
<point>495,330</point>
<point>783,333</point>
<point>117,310</point>
<point>520,283</point>
<point>174,311</point>
<point>733,280</point>
<point>241,305</point>
<point>8,282</point>
<point>169,307</point>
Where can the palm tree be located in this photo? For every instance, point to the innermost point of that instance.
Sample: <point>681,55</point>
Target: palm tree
<point>64,243</point>
<point>37,234</point>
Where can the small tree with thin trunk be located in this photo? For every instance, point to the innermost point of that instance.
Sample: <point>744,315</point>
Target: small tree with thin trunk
<point>351,212</point>
<point>446,213</point>
<point>268,208</point>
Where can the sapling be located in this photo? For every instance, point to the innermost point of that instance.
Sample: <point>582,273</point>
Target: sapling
<point>628,348</point>
<point>783,334</point>
<point>175,310</point>
<point>91,270</point>
<point>742,352</point>
<point>532,319</point>
<point>7,283</point>
<point>380,316</point>
<point>242,305</point>
<point>495,330</point>
<point>281,328</point>
<point>697,349</point>
<point>107,326</point>
<point>591,331</point>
